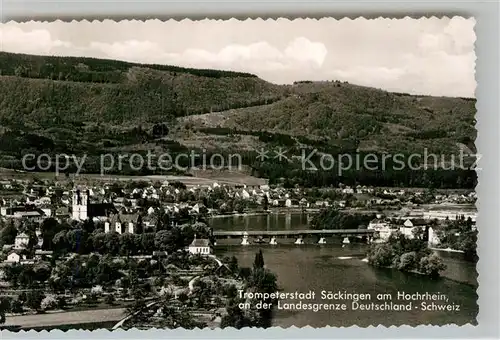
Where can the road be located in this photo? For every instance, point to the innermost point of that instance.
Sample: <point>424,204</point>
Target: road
<point>66,318</point>
<point>122,321</point>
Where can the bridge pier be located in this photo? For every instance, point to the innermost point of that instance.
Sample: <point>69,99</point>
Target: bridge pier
<point>319,236</point>
<point>299,240</point>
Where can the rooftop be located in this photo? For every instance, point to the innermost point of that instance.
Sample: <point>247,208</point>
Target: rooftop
<point>201,242</point>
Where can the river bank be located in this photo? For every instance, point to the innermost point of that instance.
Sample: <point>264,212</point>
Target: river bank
<point>449,250</point>
<point>333,267</point>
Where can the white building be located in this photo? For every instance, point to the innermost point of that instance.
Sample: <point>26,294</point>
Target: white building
<point>121,223</point>
<point>80,205</point>
<point>433,237</point>
<point>383,227</point>
<point>451,215</point>
<point>408,223</point>
<point>200,246</point>
<point>13,257</point>
<point>21,241</point>
<point>407,231</point>
<point>245,194</point>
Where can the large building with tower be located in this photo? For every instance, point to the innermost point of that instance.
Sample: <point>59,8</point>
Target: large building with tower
<point>83,209</point>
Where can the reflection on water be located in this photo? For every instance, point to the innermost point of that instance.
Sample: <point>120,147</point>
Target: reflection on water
<point>289,221</point>
<point>333,267</point>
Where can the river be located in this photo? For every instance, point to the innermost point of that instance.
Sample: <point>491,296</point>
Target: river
<point>331,267</point>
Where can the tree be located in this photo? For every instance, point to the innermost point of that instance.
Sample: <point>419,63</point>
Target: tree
<point>49,302</point>
<point>49,228</point>
<point>245,272</point>
<point>169,240</point>
<point>235,316</point>
<point>4,308</point>
<point>262,280</point>
<point>127,244</point>
<point>160,130</point>
<point>8,234</point>
<point>431,265</point>
<point>259,260</point>
<point>233,264</point>
<point>407,261</point>
<point>109,299</point>
<point>34,299</point>
<point>266,202</point>
<point>381,255</point>
<point>60,242</point>
<point>41,271</point>
<point>112,243</point>
<point>99,242</point>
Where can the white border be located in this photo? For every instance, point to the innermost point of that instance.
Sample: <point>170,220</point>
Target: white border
<point>487,16</point>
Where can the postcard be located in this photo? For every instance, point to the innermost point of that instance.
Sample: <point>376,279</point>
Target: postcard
<point>238,173</point>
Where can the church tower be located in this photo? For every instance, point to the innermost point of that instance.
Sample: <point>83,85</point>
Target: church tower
<point>80,205</point>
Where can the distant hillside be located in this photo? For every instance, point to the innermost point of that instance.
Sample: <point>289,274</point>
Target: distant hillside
<point>90,69</point>
<point>56,90</point>
<point>94,106</point>
<point>369,118</point>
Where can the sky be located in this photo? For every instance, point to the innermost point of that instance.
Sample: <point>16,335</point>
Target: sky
<point>431,56</point>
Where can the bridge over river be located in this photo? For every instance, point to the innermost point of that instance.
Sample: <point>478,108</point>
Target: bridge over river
<point>299,235</point>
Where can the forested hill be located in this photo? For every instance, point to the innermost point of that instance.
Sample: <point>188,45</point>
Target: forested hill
<point>45,90</point>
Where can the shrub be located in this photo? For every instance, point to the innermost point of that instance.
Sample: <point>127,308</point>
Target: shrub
<point>109,299</point>
<point>381,255</point>
<point>431,265</point>
<point>49,302</point>
<point>407,261</point>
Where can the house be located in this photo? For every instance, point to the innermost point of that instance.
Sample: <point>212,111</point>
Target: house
<point>450,215</point>
<point>382,227</point>
<point>33,215</point>
<point>39,237</point>
<point>122,223</point>
<point>200,246</point>
<point>378,224</point>
<point>159,253</point>
<point>198,207</point>
<point>322,204</point>
<point>410,225</point>
<point>245,194</point>
<point>222,270</point>
<point>21,241</point>
<point>40,254</point>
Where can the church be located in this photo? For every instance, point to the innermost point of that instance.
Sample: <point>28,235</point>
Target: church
<point>82,209</point>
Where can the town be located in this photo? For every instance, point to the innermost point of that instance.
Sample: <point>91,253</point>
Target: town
<point>70,246</point>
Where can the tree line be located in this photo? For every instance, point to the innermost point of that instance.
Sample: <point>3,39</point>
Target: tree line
<point>90,69</point>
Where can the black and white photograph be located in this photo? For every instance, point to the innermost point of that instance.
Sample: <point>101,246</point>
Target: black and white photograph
<point>238,173</point>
